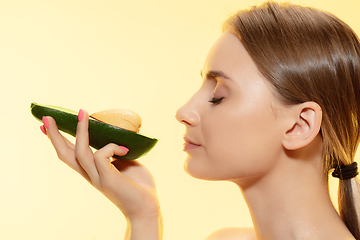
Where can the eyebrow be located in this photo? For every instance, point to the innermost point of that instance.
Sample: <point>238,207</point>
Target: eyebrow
<point>214,74</point>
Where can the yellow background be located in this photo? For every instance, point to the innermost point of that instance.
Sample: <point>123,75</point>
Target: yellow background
<point>141,55</point>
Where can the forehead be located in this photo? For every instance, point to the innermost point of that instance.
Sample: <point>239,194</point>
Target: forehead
<point>229,56</point>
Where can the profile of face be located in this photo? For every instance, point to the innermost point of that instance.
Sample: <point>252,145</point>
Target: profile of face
<point>234,124</point>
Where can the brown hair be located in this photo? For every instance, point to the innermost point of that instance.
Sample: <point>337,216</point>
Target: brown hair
<point>311,55</point>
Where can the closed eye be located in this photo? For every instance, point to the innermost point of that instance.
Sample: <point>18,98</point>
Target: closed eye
<point>216,100</point>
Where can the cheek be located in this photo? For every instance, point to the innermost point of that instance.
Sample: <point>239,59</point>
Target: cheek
<point>239,144</point>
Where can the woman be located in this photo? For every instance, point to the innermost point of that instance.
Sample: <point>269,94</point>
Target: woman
<point>277,111</point>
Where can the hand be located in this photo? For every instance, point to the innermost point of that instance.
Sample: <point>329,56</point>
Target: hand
<point>128,184</point>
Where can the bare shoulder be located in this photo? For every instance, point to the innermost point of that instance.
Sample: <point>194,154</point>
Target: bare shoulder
<point>233,234</point>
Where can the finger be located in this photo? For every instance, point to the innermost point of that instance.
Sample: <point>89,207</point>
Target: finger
<point>124,191</point>
<point>63,151</point>
<point>83,152</point>
<point>63,147</point>
<point>44,131</point>
<point>103,160</point>
<point>70,144</point>
<point>103,157</point>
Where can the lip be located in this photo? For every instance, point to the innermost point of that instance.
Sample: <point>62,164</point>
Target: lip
<point>189,144</point>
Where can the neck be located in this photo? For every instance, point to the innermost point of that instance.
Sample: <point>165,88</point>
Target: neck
<point>292,202</point>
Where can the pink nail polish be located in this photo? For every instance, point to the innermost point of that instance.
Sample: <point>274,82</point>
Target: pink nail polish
<point>81,115</point>
<point>42,128</point>
<point>45,122</point>
<point>124,148</point>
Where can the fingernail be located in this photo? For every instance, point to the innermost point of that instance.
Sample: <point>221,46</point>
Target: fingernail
<point>42,128</point>
<point>81,115</point>
<point>45,122</point>
<point>124,148</point>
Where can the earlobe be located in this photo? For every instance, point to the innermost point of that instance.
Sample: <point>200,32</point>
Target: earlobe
<point>306,121</point>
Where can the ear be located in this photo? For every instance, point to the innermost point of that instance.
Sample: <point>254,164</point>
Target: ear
<point>305,121</point>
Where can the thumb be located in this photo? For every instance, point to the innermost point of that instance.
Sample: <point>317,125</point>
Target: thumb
<point>103,158</point>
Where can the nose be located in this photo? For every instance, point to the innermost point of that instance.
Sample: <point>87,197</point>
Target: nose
<point>188,114</point>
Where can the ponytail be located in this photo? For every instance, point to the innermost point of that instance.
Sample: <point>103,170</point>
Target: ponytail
<point>348,199</point>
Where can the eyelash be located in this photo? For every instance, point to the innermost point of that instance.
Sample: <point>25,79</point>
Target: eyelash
<point>216,100</point>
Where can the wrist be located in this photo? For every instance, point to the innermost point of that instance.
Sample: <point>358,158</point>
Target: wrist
<point>149,227</point>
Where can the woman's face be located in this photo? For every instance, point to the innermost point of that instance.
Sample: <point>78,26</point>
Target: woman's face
<point>233,122</point>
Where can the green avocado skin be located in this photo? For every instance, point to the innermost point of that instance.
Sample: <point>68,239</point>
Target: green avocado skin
<point>100,134</point>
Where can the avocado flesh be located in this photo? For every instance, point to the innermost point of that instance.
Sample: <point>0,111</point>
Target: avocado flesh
<point>100,133</point>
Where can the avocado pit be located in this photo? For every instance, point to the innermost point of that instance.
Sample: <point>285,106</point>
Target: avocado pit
<point>121,118</point>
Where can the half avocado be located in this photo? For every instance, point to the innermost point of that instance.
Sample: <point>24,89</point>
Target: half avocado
<point>100,134</point>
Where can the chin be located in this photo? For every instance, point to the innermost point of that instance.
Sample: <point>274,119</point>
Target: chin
<point>196,169</point>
